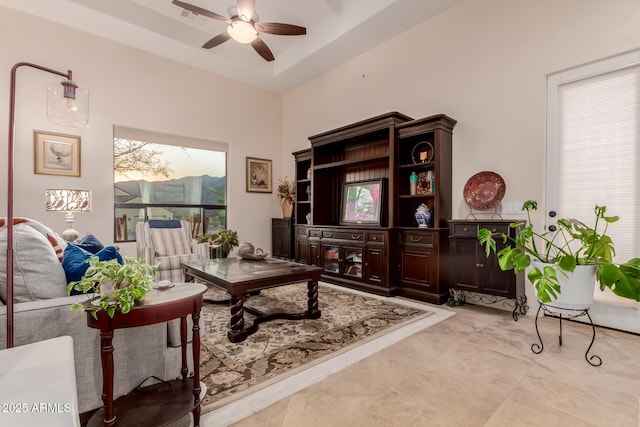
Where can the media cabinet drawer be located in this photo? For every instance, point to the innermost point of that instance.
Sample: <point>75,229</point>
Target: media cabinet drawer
<point>351,236</point>
<point>375,238</point>
<point>413,238</point>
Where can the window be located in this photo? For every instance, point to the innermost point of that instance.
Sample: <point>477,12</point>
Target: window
<point>158,176</point>
<point>593,148</point>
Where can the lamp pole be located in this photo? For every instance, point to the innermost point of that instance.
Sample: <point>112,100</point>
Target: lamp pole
<point>9,223</point>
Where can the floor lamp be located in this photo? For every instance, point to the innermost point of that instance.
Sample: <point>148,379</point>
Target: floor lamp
<point>64,106</point>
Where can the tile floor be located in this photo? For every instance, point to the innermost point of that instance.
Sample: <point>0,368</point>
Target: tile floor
<point>473,369</point>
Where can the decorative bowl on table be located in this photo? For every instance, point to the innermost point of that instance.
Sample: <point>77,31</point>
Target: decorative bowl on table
<point>248,251</point>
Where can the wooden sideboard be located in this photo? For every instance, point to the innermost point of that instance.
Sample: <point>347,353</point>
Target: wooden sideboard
<point>354,257</point>
<point>380,258</point>
<point>476,277</point>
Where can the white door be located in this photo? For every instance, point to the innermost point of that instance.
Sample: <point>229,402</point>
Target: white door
<point>593,157</point>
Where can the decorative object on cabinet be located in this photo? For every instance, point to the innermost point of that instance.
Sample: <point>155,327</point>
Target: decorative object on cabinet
<point>67,104</point>
<point>259,175</point>
<point>287,196</point>
<point>287,209</point>
<point>423,216</point>
<point>362,202</point>
<point>474,277</point>
<point>422,152</point>
<point>425,180</point>
<point>56,154</point>
<point>484,191</point>
<point>413,184</point>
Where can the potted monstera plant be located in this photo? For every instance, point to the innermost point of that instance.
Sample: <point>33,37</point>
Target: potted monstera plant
<point>113,286</point>
<point>563,261</point>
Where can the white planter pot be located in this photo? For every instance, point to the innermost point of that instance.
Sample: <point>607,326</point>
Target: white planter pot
<point>576,289</point>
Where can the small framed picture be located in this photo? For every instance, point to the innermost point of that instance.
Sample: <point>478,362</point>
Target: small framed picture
<point>259,175</point>
<point>56,154</point>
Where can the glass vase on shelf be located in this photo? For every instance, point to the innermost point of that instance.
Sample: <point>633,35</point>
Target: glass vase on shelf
<point>413,183</point>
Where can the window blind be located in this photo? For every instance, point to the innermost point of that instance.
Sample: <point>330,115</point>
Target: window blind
<point>598,155</point>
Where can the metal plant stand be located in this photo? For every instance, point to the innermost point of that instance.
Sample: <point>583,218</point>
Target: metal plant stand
<point>593,360</point>
<point>460,297</point>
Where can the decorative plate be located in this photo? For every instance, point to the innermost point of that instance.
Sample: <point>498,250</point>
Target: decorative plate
<point>484,190</point>
<point>422,152</point>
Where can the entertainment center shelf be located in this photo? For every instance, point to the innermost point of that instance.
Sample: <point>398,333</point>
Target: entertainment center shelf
<point>358,223</point>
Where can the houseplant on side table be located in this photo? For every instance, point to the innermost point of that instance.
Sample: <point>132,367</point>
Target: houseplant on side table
<point>113,286</point>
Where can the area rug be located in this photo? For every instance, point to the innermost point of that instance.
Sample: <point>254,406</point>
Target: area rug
<point>281,348</point>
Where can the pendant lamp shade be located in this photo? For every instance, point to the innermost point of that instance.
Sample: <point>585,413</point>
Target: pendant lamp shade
<point>67,103</point>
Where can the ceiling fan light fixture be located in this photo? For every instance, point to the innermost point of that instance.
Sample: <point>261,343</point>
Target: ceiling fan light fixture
<point>242,31</point>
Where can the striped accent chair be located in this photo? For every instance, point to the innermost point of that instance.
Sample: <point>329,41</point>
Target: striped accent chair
<point>170,245</point>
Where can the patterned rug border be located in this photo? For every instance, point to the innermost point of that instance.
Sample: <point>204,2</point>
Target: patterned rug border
<point>254,388</point>
<point>274,389</point>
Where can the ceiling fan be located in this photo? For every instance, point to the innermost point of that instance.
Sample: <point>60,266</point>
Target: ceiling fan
<point>243,26</point>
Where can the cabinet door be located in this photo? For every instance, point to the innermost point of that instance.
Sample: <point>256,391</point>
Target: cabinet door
<point>419,268</point>
<point>465,264</point>
<point>303,251</point>
<point>279,242</point>
<point>352,262</point>
<point>331,259</point>
<point>314,254</point>
<point>375,266</point>
<point>494,280</point>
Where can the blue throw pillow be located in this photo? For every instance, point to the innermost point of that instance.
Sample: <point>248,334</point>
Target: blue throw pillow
<point>164,223</point>
<point>75,262</point>
<point>90,243</point>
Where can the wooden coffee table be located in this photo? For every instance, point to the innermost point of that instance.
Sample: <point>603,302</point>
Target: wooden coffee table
<point>239,277</point>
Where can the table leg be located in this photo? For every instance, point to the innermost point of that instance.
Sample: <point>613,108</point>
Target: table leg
<point>237,332</point>
<point>106,347</point>
<point>312,300</point>
<point>195,344</point>
<point>183,341</point>
<point>187,277</point>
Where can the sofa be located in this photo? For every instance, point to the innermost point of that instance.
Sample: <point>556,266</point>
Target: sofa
<point>42,310</point>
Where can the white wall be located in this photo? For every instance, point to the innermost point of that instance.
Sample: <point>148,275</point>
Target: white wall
<point>484,63</point>
<point>131,88</point>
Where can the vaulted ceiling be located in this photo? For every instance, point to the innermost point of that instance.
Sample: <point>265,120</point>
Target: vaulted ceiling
<point>337,30</point>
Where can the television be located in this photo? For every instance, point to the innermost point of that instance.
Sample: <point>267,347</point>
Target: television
<point>362,202</point>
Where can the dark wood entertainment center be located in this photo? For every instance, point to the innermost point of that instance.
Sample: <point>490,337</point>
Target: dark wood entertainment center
<point>394,256</point>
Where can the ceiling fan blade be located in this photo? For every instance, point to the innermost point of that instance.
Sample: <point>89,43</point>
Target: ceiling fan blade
<point>280,29</point>
<point>246,8</point>
<point>262,49</point>
<point>217,40</point>
<point>199,11</point>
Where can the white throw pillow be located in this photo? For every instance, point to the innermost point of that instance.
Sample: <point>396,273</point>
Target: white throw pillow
<point>38,274</point>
